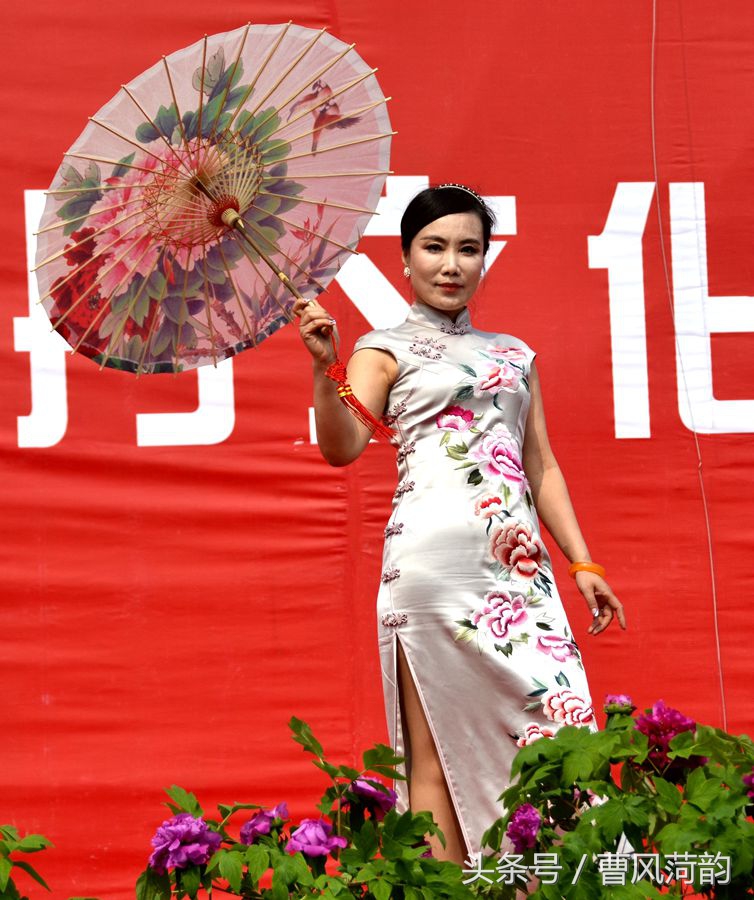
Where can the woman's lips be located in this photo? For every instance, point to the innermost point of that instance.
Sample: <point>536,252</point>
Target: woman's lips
<point>449,287</point>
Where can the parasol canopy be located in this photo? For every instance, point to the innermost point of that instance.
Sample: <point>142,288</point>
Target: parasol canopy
<point>228,178</point>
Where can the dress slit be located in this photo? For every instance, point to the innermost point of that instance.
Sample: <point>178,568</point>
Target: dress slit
<point>404,743</point>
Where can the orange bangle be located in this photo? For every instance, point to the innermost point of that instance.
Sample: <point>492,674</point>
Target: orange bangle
<point>586,567</point>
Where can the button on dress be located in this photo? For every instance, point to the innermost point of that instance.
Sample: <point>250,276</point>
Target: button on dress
<point>466,583</point>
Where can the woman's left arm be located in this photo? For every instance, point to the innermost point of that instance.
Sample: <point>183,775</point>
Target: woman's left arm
<point>554,506</point>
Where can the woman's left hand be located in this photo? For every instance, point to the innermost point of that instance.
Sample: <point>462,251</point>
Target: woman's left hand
<point>599,595</point>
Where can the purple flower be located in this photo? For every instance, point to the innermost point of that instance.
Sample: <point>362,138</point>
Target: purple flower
<point>660,727</point>
<point>314,837</point>
<point>523,827</point>
<point>261,823</point>
<point>377,800</point>
<point>619,703</point>
<point>749,782</point>
<point>181,842</point>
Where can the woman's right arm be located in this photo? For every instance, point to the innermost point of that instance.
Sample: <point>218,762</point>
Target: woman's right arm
<point>371,374</point>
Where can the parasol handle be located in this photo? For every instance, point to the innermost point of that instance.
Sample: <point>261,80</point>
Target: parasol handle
<point>337,371</point>
<point>233,219</point>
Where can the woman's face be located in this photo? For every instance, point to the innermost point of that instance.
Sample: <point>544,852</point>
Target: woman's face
<point>446,259</point>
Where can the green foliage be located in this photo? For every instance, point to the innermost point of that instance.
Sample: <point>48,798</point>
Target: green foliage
<point>593,788</point>
<point>11,842</point>
<point>383,859</point>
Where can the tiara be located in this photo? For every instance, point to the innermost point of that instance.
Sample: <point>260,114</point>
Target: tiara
<point>460,187</point>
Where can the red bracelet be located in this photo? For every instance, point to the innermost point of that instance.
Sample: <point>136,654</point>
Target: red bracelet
<point>586,567</point>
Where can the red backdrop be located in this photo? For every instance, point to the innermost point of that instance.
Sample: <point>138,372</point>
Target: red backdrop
<point>168,606</point>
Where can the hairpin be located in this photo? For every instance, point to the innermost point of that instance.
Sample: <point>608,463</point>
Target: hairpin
<point>460,187</point>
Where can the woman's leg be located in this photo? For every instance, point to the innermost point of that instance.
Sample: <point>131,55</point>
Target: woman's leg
<point>427,787</point>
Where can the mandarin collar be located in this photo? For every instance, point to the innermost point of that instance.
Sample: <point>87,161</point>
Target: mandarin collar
<point>422,314</point>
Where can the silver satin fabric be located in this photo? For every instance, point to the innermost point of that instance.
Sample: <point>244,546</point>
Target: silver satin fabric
<point>438,567</point>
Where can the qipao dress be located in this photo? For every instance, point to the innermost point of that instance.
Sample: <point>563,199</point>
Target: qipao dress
<point>466,584</point>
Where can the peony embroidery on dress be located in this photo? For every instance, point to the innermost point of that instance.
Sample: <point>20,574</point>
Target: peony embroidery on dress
<point>499,369</point>
<point>561,704</point>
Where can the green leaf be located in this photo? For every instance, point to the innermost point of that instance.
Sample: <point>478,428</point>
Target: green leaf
<point>475,477</point>
<point>122,167</point>
<point>380,754</point>
<point>33,873</point>
<point>464,393</point>
<point>185,800</point>
<point>5,869</point>
<point>257,861</point>
<point>151,886</point>
<point>468,370</point>
<point>191,880</point>
<point>33,843</point>
<point>231,869</point>
<point>668,794</point>
<point>302,734</point>
<point>381,889</point>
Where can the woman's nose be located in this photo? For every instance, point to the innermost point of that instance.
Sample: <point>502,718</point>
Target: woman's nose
<point>450,261</point>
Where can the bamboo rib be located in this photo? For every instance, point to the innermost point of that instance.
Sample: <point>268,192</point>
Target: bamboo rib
<point>300,176</point>
<point>116,262</point>
<point>102,188</point>
<point>287,71</point>
<point>276,249</point>
<point>242,44</point>
<point>250,328</point>
<point>121,327</point>
<point>315,233</point>
<point>345,206</point>
<point>208,310</point>
<point>184,137</point>
<point>78,243</point>
<point>353,112</point>
<point>139,146</point>
<point>150,333</point>
<point>246,249</point>
<point>63,222</point>
<point>106,307</point>
<point>341,90</point>
<point>201,91</point>
<point>319,151</point>
<point>253,82</point>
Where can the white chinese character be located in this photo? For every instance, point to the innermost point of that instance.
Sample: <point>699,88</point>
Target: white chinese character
<point>714,869</point>
<point>681,866</point>
<point>510,869</point>
<point>612,867</point>
<point>546,867</point>
<point>475,862</point>
<point>646,865</point>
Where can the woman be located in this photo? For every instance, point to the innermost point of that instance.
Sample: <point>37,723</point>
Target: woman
<point>477,655</point>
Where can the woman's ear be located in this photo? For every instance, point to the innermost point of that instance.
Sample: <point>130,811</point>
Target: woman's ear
<point>404,257</point>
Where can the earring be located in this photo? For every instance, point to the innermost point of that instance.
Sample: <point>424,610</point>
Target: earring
<point>406,272</point>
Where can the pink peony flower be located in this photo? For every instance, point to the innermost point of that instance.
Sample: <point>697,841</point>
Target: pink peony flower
<point>498,456</point>
<point>314,837</point>
<point>618,703</point>
<point>261,823</point>
<point>556,646</point>
<point>660,727</point>
<point>489,506</point>
<point>535,732</point>
<point>566,707</point>
<point>182,841</point>
<point>501,613</point>
<point>748,781</point>
<point>518,550</point>
<point>513,354</point>
<point>455,418</point>
<point>523,827</point>
<point>377,798</point>
<point>494,377</point>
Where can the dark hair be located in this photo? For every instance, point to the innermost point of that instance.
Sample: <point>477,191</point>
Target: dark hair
<point>446,200</point>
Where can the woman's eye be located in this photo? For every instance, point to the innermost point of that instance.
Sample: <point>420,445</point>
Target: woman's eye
<point>470,251</point>
<point>433,247</point>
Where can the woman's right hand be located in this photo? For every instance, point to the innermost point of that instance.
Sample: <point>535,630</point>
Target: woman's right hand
<point>316,327</point>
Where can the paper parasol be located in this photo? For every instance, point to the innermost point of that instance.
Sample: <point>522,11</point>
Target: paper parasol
<point>227,178</point>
